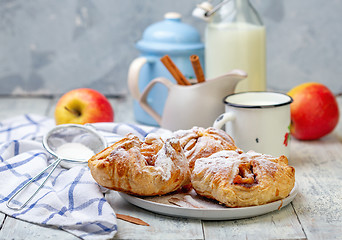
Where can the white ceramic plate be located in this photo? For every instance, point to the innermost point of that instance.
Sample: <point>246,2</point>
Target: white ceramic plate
<point>211,213</point>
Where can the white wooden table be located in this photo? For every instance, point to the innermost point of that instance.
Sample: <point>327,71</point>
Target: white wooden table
<point>315,213</point>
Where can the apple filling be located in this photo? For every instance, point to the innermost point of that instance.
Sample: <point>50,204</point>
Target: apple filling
<point>149,150</point>
<point>245,175</point>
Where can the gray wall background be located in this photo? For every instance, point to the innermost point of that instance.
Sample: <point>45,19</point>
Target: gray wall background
<point>48,47</point>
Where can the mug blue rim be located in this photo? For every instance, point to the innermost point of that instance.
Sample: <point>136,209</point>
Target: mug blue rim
<point>256,106</point>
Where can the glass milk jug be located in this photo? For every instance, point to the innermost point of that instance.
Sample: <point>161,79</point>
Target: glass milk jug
<point>235,39</point>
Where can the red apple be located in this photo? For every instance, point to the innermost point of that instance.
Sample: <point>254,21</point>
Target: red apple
<point>314,111</point>
<point>83,105</point>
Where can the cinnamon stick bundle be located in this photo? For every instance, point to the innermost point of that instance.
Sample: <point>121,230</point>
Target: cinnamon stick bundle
<point>175,72</point>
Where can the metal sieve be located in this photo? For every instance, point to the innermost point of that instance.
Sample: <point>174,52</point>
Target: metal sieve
<point>55,138</point>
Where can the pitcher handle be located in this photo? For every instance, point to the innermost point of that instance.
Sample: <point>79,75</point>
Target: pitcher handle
<point>133,76</point>
<point>143,98</point>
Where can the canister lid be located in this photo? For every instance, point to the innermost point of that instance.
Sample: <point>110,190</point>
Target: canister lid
<point>170,35</point>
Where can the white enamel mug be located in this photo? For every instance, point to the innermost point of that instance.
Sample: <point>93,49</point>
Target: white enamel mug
<point>258,121</point>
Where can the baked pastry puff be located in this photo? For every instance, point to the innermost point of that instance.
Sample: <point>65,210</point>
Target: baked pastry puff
<point>199,142</point>
<point>144,168</point>
<point>243,179</point>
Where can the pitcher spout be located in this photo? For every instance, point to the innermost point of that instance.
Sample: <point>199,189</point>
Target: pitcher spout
<point>227,83</point>
<point>237,73</point>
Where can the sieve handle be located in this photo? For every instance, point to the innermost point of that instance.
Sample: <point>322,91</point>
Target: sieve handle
<point>53,165</point>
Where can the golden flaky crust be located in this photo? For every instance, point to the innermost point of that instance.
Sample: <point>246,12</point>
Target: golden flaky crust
<point>145,168</point>
<point>243,179</point>
<point>199,142</point>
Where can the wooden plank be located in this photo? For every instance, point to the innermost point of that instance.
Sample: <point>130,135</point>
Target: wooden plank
<point>282,224</point>
<point>318,171</point>
<point>11,107</point>
<point>314,214</point>
<point>17,229</point>
<point>123,109</point>
<point>161,227</point>
<point>51,107</point>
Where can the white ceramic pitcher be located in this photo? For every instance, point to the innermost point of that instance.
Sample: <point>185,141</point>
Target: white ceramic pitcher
<point>195,105</point>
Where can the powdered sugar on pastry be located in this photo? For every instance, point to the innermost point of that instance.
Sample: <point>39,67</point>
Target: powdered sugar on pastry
<point>200,143</point>
<point>243,179</point>
<point>167,159</point>
<point>147,168</point>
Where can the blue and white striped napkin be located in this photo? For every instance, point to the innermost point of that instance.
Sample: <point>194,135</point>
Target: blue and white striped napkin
<point>71,199</point>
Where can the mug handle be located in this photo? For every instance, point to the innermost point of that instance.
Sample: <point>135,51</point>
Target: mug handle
<point>133,76</point>
<point>143,98</point>
<point>223,118</point>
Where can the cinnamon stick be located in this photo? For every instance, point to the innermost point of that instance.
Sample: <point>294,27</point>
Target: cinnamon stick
<point>196,65</point>
<point>131,219</point>
<point>178,76</point>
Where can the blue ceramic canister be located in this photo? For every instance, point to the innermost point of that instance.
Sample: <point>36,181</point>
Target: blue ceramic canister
<point>174,38</point>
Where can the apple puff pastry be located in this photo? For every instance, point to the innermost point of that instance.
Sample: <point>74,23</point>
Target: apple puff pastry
<point>145,168</point>
<point>199,142</point>
<point>243,179</point>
